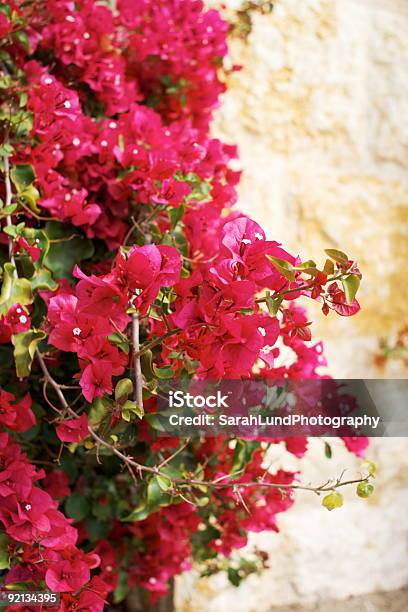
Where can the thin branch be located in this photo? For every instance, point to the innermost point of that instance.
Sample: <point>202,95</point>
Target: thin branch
<point>184,482</point>
<point>137,363</point>
<point>9,198</point>
<point>296,289</point>
<point>177,452</point>
<point>157,341</point>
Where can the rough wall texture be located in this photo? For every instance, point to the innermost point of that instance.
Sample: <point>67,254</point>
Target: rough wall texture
<point>320,113</point>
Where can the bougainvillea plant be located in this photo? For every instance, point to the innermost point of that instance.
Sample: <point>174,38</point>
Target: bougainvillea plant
<point>123,263</point>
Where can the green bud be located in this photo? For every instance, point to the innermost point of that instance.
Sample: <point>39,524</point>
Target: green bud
<point>333,500</point>
<point>365,489</point>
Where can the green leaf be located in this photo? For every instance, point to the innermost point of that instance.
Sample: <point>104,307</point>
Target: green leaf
<point>283,267</point>
<point>328,269</point>
<point>76,506</point>
<point>274,304</point>
<point>146,362</point>
<point>138,514</point>
<point>5,8</point>
<point>10,230</point>
<point>14,290</point>
<point>163,373</point>
<point>370,467</point>
<point>130,408</point>
<point>163,482</point>
<point>25,345</point>
<point>333,500</point>
<point>123,388</point>
<point>96,529</point>
<point>234,577</point>
<point>328,450</point>
<point>307,266</point>
<point>350,285</point>
<point>175,214</point>
<point>121,342</point>
<point>365,489</point>
<point>119,594</point>
<point>4,554</point>
<point>23,39</point>
<point>62,256</point>
<point>30,197</point>
<point>42,279</point>
<point>6,150</point>
<point>8,210</point>
<point>154,492</point>
<point>242,455</point>
<point>22,176</point>
<point>337,255</point>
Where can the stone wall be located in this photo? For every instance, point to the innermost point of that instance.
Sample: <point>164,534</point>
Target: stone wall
<point>320,114</point>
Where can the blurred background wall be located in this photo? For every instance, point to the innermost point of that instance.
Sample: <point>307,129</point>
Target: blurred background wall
<point>320,114</point>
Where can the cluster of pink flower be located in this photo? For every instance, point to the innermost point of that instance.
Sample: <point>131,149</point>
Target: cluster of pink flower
<point>15,320</point>
<point>101,156</point>
<point>81,319</point>
<point>80,162</point>
<point>91,174</point>
<point>40,535</point>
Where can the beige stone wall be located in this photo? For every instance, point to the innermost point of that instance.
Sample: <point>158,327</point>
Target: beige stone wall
<point>320,113</point>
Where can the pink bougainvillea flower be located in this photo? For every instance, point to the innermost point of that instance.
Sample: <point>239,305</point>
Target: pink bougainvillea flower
<point>96,380</point>
<point>337,301</point>
<point>16,320</point>
<point>16,414</point>
<point>73,430</point>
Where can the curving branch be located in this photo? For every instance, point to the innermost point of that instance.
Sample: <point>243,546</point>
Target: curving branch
<point>180,483</point>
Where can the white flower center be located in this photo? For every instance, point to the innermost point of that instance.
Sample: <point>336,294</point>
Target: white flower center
<point>246,241</point>
<point>23,319</point>
<point>70,18</point>
<point>87,35</point>
<point>76,142</point>
<point>67,104</point>
<point>262,331</point>
<point>77,331</point>
<point>259,236</point>
<point>27,506</point>
<point>104,143</point>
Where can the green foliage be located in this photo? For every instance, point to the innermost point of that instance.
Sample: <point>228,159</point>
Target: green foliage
<point>67,247</point>
<point>25,345</point>
<point>4,554</point>
<point>124,388</point>
<point>77,506</point>
<point>14,290</point>
<point>283,267</point>
<point>350,285</point>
